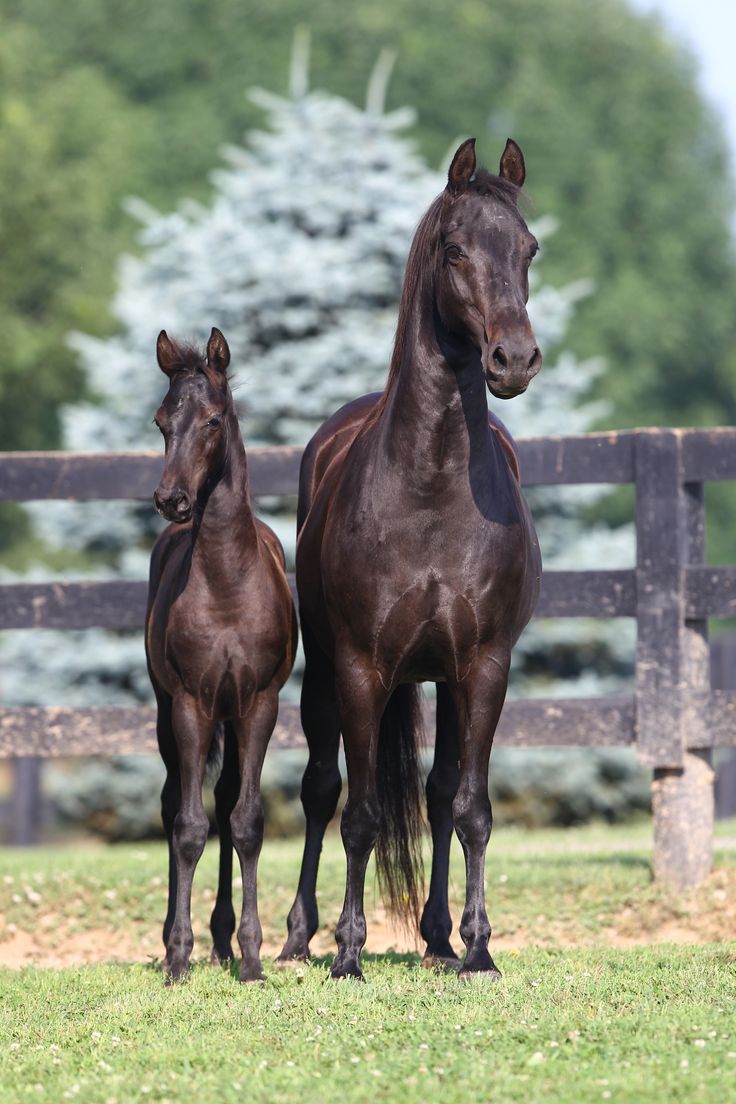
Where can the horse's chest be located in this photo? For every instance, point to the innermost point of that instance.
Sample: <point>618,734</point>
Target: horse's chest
<point>429,632</point>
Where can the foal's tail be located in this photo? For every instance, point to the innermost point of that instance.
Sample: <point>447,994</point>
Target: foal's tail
<point>399,845</point>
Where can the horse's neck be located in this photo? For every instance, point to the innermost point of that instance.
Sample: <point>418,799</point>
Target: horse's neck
<point>225,535</point>
<point>436,415</point>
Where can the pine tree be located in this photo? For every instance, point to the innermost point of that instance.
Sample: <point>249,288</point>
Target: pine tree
<point>298,258</point>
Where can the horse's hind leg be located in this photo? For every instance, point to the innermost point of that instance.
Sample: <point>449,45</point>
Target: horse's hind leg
<point>227,787</point>
<point>436,923</point>
<point>321,786</point>
<point>193,732</point>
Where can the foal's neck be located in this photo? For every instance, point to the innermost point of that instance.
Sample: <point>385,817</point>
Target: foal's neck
<point>225,534</point>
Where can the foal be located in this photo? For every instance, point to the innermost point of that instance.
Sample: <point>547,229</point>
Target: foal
<point>220,640</point>
<point>417,561</point>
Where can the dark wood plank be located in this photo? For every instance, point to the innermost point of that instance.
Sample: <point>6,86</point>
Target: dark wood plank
<point>121,603</point>
<point>709,454</point>
<point>660,538</point>
<point>589,458</point>
<point>117,604</point>
<point>33,476</point>
<point>122,730</point>
<point>710,591</point>
<point>587,594</point>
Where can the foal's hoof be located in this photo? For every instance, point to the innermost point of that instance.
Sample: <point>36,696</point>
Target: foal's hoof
<point>447,964</point>
<point>292,962</point>
<point>252,975</point>
<point>219,956</point>
<point>175,972</point>
<point>347,971</point>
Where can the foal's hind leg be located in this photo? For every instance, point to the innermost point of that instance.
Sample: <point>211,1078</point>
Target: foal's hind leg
<point>479,700</point>
<point>442,783</point>
<point>227,787</point>
<point>193,732</point>
<point>320,792</point>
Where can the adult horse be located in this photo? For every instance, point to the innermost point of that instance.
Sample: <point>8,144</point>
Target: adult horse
<point>417,560</point>
<point>220,642</point>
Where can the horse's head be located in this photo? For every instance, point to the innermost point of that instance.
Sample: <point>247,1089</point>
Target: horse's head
<point>482,275</point>
<point>193,421</point>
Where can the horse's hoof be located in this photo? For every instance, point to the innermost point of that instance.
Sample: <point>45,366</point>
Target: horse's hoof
<point>447,964</point>
<point>252,974</point>
<point>176,972</point>
<point>484,976</point>
<point>292,962</point>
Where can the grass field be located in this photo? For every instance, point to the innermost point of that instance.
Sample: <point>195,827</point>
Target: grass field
<point>593,1005</point>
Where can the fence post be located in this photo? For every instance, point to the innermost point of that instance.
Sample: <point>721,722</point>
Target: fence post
<point>26,801</point>
<point>672,661</point>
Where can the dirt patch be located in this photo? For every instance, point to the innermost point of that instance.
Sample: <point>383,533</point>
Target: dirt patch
<point>705,916</point>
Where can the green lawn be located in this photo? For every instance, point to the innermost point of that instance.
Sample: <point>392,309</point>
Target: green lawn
<point>582,1012</point>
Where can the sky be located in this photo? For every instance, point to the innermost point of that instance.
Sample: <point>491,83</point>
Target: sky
<point>708,27</point>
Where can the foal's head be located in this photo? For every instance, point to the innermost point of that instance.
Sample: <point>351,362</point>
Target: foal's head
<point>483,252</point>
<point>193,420</point>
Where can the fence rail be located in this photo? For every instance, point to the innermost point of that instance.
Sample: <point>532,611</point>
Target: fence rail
<point>673,718</point>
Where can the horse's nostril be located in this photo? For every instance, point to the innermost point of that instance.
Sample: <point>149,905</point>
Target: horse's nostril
<point>181,503</point>
<point>534,360</point>
<point>499,357</point>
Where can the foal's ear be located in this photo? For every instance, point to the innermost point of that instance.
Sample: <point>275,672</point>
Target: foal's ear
<point>218,353</point>
<point>512,164</point>
<point>167,356</point>
<point>462,167</point>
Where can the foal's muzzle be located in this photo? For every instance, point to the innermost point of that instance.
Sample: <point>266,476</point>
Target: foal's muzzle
<point>174,505</point>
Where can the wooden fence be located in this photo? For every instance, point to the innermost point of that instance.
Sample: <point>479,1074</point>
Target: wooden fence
<point>673,718</point>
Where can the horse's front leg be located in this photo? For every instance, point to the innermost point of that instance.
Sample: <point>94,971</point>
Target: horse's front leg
<point>227,787</point>
<point>362,700</point>
<point>193,732</point>
<point>442,782</point>
<point>246,822</point>
<point>479,700</point>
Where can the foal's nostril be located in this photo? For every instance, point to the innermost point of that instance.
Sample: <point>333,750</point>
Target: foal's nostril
<point>499,357</point>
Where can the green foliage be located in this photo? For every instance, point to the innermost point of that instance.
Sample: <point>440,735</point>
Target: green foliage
<point>102,100</point>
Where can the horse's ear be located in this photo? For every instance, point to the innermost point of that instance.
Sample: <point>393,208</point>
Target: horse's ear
<point>512,164</point>
<point>218,353</point>
<point>167,356</point>
<point>462,167</point>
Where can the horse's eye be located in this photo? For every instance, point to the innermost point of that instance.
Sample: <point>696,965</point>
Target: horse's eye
<point>533,252</point>
<point>214,421</point>
<point>454,254</point>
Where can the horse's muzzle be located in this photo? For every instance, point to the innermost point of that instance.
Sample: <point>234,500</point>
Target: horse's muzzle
<point>511,367</point>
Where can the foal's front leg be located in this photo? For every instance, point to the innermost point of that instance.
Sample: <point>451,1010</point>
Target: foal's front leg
<point>246,822</point>
<point>227,787</point>
<point>479,700</point>
<point>193,733</point>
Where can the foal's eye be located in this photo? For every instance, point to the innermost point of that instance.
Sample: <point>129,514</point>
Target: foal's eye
<point>454,254</point>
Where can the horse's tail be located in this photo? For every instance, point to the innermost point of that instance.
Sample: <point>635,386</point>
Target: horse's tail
<point>399,845</point>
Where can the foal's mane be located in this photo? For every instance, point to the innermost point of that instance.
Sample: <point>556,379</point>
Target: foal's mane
<point>190,361</point>
<point>419,271</point>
